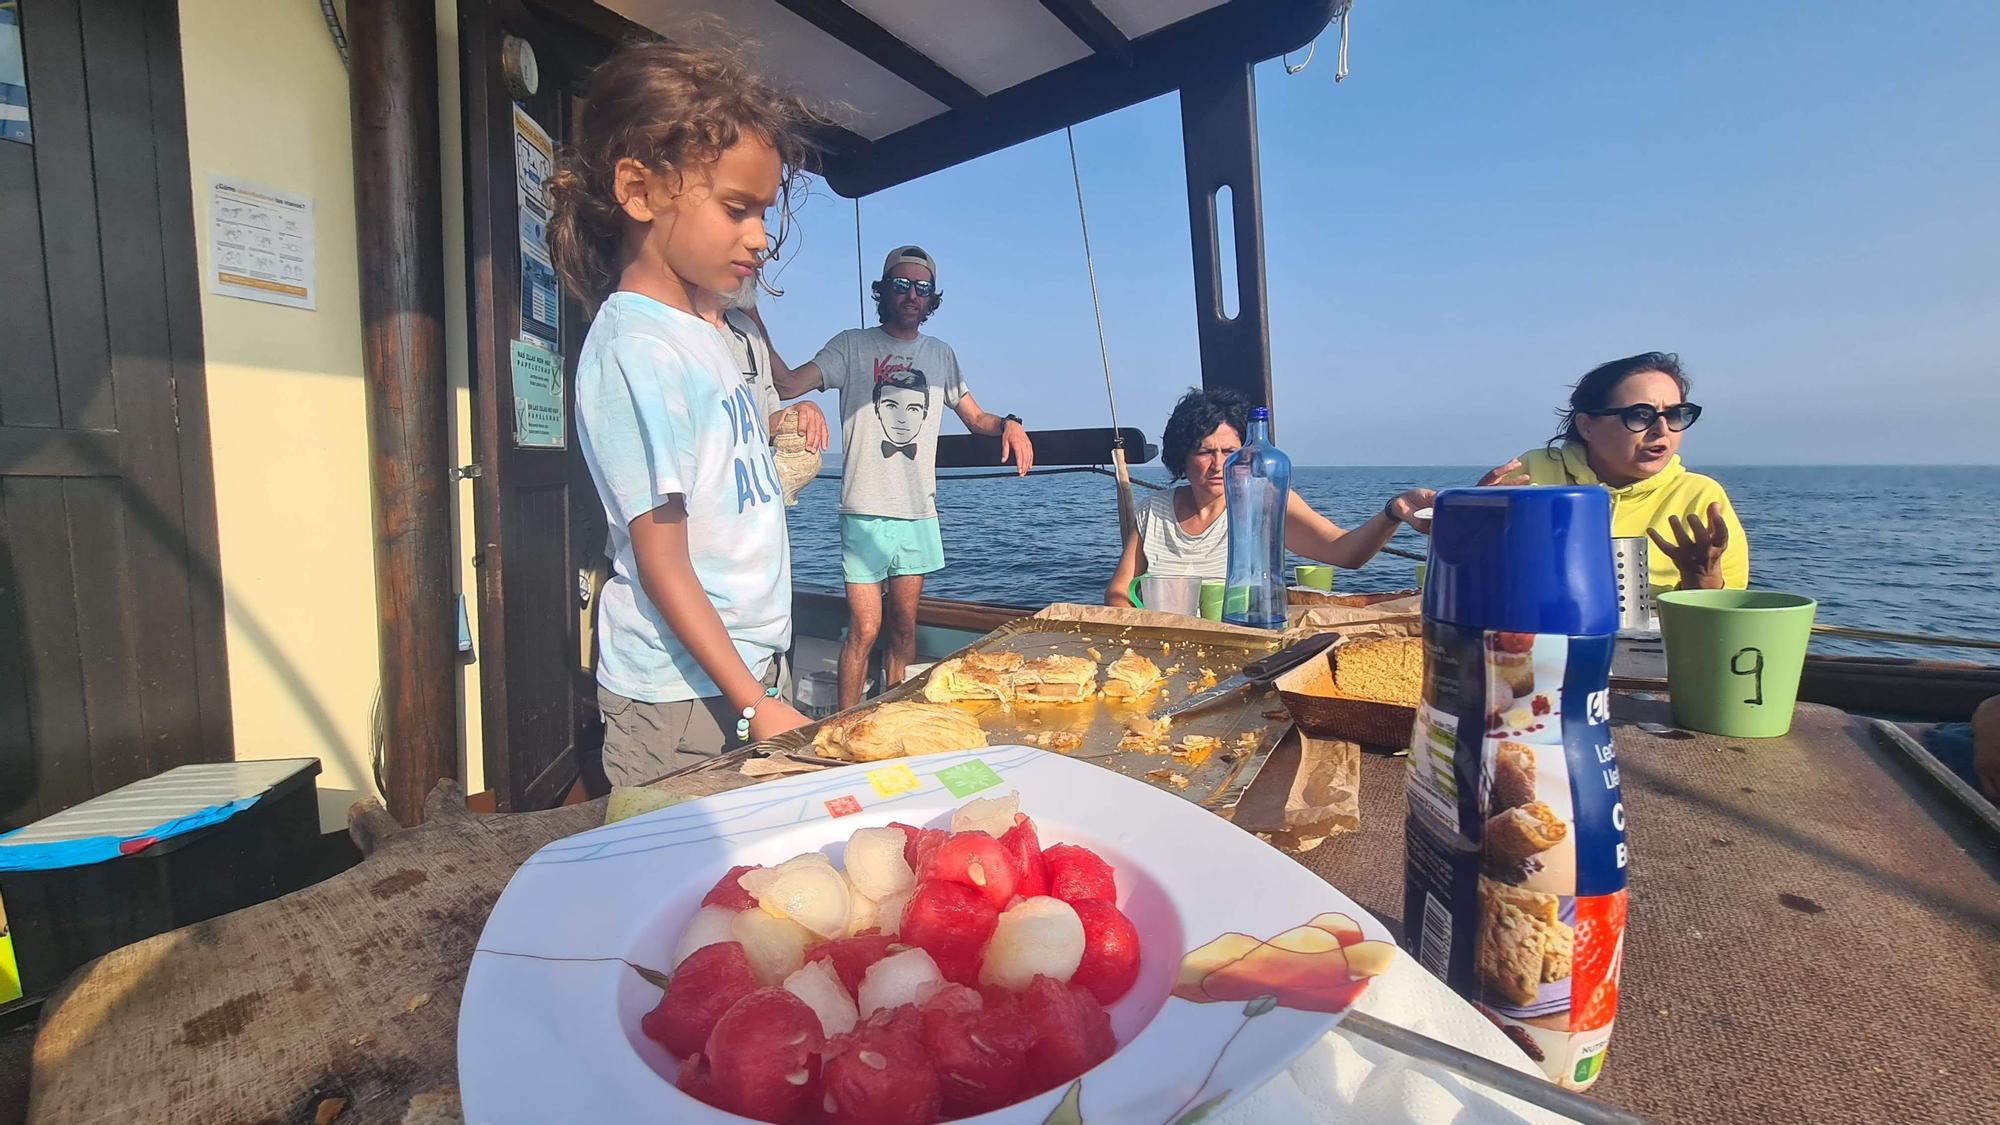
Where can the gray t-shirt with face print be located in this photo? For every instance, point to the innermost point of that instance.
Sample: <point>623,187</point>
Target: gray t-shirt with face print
<point>893,395</point>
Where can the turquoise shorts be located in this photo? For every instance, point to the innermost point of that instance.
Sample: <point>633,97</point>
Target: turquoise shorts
<point>873,548</point>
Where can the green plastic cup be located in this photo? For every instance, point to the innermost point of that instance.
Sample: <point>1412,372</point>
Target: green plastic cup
<point>1421,569</point>
<point>1315,577</point>
<point>1734,658</point>
<point>1211,600</point>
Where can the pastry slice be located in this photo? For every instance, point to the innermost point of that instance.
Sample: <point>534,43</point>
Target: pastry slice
<point>1535,904</point>
<point>1525,830</point>
<point>1512,947</point>
<point>1383,670</point>
<point>1054,679</point>
<point>1513,776</point>
<point>898,730</point>
<point>978,676</point>
<point>1130,676</point>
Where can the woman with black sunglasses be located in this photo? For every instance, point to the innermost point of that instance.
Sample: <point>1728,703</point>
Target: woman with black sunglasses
<point>1623,430</point>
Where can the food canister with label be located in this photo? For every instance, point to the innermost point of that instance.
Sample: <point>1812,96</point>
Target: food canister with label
<point>1514,878</point>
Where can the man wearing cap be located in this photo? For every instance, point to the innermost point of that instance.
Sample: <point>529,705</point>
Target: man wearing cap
<point>894,383</point>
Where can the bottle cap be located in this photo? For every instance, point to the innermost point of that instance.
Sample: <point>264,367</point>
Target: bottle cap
<point>1525,560</point>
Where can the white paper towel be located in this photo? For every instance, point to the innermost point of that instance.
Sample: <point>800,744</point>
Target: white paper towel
<point>1343,1077</point>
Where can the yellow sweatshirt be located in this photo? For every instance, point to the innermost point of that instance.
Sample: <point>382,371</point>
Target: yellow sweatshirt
<point>1673,491</point>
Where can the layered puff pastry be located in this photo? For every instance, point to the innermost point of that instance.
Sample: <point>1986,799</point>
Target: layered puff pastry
<point>979,677</point>
<point>1131,676</point>
<point>898,730</point>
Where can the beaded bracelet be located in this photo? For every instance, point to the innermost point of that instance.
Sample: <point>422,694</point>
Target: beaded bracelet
<point>750,712</point>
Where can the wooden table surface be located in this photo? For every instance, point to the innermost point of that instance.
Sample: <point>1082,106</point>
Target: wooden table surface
<point>1810,941</point>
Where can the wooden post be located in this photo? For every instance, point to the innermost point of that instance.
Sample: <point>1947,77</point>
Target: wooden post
<point>399,215</point>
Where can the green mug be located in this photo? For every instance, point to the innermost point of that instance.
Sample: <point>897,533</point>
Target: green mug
<point>1315,576</point>
<point>1211,600</point>
<point>1734,658</point>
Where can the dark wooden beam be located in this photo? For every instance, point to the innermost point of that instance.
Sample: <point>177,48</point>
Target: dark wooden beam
<point>885,50</point>
<point>1243,31</point>
<point>1053,448</point>
<point>400,218</point>
<point>1091,25</point>
<point>1219,136</point>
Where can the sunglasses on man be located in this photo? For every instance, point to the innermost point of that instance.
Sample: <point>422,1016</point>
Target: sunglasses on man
<point>905,285</point>
<point>1640,417</point>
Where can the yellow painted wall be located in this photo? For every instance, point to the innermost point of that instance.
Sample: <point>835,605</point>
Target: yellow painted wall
<point>267,101</point>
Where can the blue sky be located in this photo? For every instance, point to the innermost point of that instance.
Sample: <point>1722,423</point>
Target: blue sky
<point>1803,200</point>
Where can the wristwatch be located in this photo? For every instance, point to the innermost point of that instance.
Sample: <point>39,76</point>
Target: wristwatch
<point>1014,418</point>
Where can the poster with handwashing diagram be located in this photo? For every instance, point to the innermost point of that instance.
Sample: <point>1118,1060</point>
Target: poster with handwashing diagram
<point>534,163</point>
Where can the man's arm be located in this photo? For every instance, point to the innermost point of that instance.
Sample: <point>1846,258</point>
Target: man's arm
<point>790,382</point>
<point>1014,443</point>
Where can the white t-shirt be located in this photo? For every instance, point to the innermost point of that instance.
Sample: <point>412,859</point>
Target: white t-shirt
<point>893,395</point>
<point>1172,552</point>
<point>662,411</point>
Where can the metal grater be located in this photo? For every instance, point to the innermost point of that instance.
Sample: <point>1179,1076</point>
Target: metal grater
<point>1634,572</point>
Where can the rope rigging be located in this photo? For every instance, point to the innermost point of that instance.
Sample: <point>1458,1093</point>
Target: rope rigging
<point>1127,516</point>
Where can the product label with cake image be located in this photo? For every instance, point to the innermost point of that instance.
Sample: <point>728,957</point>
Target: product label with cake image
<point>1515,886</point>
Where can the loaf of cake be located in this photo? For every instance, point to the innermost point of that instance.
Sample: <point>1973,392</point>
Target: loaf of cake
<point>1383,669</point>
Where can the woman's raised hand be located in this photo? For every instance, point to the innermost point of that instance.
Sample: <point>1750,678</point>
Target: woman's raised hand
<point>1697,548</point>
<point>1510,473</point>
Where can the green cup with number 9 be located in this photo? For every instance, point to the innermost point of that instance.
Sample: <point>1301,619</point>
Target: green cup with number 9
<point>1734,658</point>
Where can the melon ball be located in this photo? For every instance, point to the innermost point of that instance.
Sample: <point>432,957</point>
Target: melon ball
<point>820,988</point>
<point>808,889</point>
<point>875,864</point>
<point>862,913</point>
<point>991,815</point>
<point>1039,936</point>
<point>889,912</point>
<point>709,925</point>
<point>898,979</point>
<point>775,946</point>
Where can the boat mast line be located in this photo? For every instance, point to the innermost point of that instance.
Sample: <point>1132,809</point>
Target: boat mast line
<point>1128,519</point>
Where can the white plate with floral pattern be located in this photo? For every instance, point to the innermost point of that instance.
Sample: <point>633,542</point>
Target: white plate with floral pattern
<point>1246,957</point>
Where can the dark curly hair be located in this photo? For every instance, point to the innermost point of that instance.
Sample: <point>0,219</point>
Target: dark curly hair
<point>882,298</point>
<point>1594,390</point>
<point>672,108</point>
<point>1195,417</point>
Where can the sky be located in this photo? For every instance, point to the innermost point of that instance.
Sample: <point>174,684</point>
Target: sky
<point>1802,200</point>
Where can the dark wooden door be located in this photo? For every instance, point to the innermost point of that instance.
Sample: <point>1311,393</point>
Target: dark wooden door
<point>537,518</point>
<point>111,647</point>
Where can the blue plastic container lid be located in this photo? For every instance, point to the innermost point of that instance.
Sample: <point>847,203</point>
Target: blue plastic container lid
<point>1532,559</point>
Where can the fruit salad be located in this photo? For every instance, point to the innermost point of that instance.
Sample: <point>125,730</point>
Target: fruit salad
<point>937,974</point>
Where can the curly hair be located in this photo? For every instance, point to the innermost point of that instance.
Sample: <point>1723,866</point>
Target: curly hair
<point>673,108</point>
<point>1594,390</point>
<point>1196,416</point>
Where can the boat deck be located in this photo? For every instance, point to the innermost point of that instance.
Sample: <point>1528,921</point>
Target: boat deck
<point>1810,940</point>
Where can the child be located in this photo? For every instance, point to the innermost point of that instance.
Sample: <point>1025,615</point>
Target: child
<point>659,215</point>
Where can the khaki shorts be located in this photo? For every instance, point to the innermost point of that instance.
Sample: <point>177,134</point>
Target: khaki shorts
<point>644,742</point>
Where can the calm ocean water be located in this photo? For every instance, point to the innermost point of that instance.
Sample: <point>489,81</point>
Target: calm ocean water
<point>1906,549</point>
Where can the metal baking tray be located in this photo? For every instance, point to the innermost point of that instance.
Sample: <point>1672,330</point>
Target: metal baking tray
<point>1215,783</point>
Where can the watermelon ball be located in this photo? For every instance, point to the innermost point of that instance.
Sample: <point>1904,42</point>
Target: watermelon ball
<point>919,843</point>
<point>976,860</point>
<point>1076,874</point>
<point>951,922</point>
<point>1110,950</point>
<point>980,1057</point>
<point>761,1057</point>
<point>695,1081</point>
<point>728,892</point>
<point>1072,1033</point>
<point>707,985</point>
<point>1024,850</point>
<point>878,1075</point>
<point>850,957</point>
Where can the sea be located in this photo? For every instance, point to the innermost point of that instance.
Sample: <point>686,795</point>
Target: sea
<point>1904,549</point>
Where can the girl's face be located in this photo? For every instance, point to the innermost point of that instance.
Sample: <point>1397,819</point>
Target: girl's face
<point>705,229</point>
<point>1204,465</point>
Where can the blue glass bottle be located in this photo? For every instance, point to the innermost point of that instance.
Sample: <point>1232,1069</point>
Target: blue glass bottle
<point>1257,484</point>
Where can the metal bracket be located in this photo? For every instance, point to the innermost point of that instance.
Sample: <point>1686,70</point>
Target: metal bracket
<point>467,472</point>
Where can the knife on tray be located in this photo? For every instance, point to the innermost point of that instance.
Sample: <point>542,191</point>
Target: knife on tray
<point>1258,673</point>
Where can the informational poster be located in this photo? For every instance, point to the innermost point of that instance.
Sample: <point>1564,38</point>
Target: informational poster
<point>539,421</point>
<point>534,163</point>
<point>260,243</point>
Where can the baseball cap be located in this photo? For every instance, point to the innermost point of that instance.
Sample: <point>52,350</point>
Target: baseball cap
<point>914,255</point>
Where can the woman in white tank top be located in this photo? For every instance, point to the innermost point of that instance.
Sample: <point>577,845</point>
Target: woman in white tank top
<point>1183,532</point>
